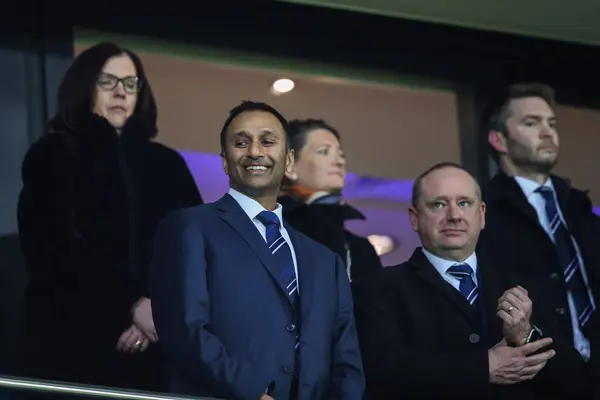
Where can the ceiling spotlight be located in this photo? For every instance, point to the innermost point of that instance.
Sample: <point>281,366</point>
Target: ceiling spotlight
<point>281,86</point>
<point>382,244</point>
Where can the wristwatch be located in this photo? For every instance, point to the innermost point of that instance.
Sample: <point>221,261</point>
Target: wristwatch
<point>535,334</point>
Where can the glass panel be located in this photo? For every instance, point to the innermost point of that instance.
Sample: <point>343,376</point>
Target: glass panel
<point>579,132</point>
<point>387,129</point>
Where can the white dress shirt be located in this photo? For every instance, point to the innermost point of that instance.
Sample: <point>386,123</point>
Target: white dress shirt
<point>442,266</point>
<point>537,201</point>
<point>252,208</point>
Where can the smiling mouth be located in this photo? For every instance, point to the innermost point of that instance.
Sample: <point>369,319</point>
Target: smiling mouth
<point>256,168</point>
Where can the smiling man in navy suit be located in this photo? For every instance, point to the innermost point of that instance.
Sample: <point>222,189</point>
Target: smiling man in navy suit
<point>246,307</point>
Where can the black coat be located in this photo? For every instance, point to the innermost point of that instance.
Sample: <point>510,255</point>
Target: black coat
<point>87,214</point>
<point>515,240</point>
<point>325,224</point>
<point>421,339</point>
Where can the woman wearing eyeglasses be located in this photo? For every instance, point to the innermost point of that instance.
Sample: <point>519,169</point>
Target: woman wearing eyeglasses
<point>94,188</point>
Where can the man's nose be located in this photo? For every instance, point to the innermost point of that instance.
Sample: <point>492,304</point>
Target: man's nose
<point>453,212</point>
<point>255,150</point>
<point>547,130</point>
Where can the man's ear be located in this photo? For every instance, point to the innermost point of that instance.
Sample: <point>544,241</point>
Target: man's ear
<point>497,140</point>
<point>413,215</point>
<point>289,163</point>
<point>224,162</point>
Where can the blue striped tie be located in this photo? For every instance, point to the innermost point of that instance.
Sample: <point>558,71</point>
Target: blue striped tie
<point>467,287</point>
<point>281,251</point>
<point>567,256</point>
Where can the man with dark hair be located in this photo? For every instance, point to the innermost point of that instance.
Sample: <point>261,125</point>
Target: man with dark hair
<point>545,232</point>
<point>246,307</point>
<point>444,325</point>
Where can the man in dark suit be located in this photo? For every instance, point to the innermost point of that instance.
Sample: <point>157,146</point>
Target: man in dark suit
<point>246,307</point>
<point>429,328</point>
<point>544,231</point>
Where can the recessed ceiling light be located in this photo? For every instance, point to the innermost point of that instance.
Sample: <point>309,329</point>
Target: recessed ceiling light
<point>283,85</point>
<point>382,244</point>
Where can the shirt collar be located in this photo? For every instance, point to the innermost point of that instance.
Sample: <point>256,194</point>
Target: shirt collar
<point>442,265</point>
<point>529,187</point>
<point>252,207</point>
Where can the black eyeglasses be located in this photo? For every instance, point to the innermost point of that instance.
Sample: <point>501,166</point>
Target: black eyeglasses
<point>131,84</point>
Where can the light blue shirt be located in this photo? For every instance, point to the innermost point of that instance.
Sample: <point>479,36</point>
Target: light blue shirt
<point>252,208</point>
<point>442,266</point>
<point>537,201</point>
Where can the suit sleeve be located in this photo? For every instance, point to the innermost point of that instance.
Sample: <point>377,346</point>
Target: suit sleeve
<point>181,311</point>
<point>393,367</point>
<point>347,376</point>
<point>565,375</point>
<point>58,253</point>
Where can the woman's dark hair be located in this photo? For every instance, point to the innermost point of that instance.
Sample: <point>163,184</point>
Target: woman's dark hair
<point>78,85</point>
<point>300,128</point>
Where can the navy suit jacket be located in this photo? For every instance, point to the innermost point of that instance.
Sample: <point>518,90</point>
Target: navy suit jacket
<point>227,326</point>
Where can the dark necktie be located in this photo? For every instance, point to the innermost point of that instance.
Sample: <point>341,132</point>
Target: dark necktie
<point>467,287</point>
<point>283,254</point>
<point>281,251</point>
<point>567,256</point>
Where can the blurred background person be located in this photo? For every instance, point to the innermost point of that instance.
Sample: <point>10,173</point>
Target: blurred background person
<point>312,196</point>
<point>94,188</point>
<point>548,232</point>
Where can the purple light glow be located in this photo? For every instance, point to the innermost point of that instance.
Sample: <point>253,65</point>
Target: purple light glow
<point>386,216</point>
<point>207,171</point>
<point>386,207</point>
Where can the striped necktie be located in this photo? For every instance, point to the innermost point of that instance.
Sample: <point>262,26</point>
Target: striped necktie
<point>468,288</point>
<point>281,251</point>
<point>283,254</point>
<point>567,256</point>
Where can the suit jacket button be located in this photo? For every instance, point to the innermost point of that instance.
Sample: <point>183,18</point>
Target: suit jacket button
<point>474,338</point>
<point>291,328</point>
<point>554,276</point>
<point>560,310</point>
<point>288,369</point>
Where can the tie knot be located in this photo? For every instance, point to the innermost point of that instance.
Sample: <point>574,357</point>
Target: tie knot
<point>546,192</point>
<point>460,271</point>
<point>268,218</point>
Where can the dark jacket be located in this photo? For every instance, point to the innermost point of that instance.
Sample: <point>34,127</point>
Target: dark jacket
<point>421,339</point>
<point>87,213</point>
<point>325,224</point>
<point>515,240</point>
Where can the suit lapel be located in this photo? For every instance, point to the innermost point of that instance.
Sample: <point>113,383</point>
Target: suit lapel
<point>492,285</point>
<point>430,275</point>
<point>232,214</point>
<point>507,188</point>
<point>306,272</point>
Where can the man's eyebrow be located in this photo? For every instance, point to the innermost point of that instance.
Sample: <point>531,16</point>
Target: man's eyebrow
<point>538,117</point>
